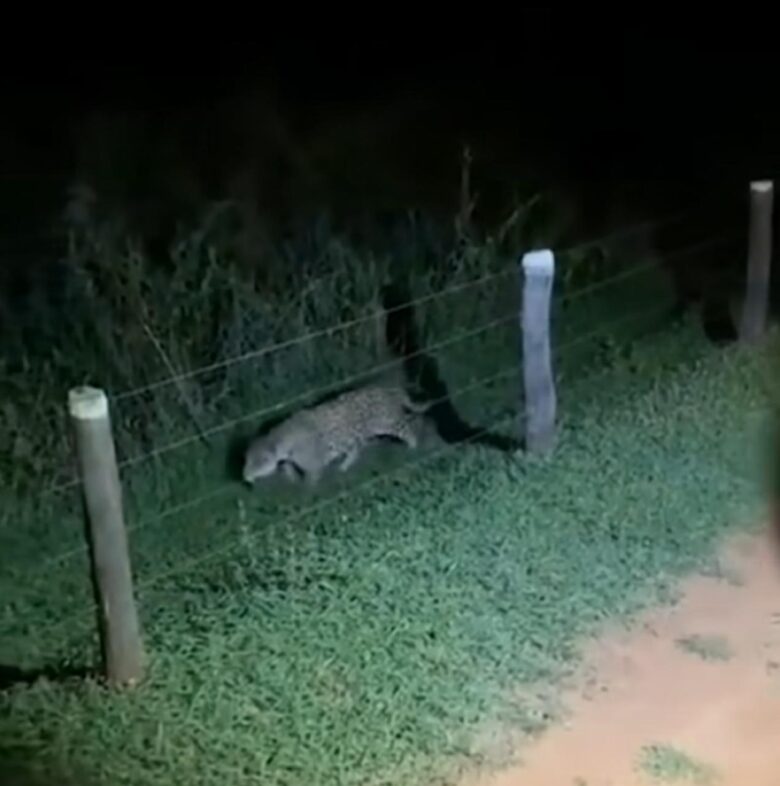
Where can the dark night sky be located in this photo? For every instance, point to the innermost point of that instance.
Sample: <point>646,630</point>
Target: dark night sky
<point>610,97</point>
<point>613,71</point>
<point>539,62</point>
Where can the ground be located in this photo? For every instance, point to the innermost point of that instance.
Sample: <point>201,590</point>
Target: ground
<point>691,694</point>
<point>369,632</point>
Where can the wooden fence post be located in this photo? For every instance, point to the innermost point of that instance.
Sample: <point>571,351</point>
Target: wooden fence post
<point>540,396</point>
<point>755,307</point>
<point>117,616</point>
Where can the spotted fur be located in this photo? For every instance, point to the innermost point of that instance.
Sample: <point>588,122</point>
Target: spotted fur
<point>312,439</point>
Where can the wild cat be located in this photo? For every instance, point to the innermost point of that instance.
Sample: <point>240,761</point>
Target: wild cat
<point>313,438</point>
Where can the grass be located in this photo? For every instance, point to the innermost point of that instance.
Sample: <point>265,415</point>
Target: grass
<point>709,648</point>
<point>668,765</point>
<point>371,631</point>
<point>726,573</point>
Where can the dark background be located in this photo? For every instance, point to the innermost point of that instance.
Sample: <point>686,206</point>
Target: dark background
<point>615,112</point>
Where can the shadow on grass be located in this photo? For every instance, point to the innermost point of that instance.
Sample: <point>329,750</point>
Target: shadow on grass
<point>403,339</point>
<point>12,676</point>
<point>26,767</point>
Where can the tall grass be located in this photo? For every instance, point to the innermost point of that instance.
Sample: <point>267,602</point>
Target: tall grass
<point>117,317</point>
<point>161,336</point>
<point>365,640</point>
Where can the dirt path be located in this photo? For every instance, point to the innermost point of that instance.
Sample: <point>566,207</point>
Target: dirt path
<point>700,682</point>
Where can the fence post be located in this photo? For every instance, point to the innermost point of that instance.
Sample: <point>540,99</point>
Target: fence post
<point>540,396</point>
<point>117,616</point>
<point>756,302</point>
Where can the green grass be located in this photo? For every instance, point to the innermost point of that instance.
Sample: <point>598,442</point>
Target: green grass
<point>726,573</point>
<point>371,631</point>
<point>369,641</point>
<point>668,765</point>
<point>709,648</point>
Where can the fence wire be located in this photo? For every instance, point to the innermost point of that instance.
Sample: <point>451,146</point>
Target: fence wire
<point>190,564</point>
<point>382,367</point>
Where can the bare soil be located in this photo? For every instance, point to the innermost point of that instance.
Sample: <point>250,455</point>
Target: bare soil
<point>700,681</point>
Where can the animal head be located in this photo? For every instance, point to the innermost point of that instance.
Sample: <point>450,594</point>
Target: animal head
<point>261,460</point>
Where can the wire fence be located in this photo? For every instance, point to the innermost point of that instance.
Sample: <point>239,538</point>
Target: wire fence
<point>81,616</point>
<point>512,370</point>
<point>414,303</point>
<point>58,561</point>
<point>408,466</point>
<point>332,330</point>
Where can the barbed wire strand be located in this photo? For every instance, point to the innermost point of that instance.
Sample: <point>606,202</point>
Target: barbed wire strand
<point>78,616</point>
<point>302,339</point>
<point>224,488</point>
<point>82,548</point>
<point>385,366</point>
<point>272,409</point>
<point>562,349</point>
<point>644,267</point>
<point>281,405</point>
<point>352,378</point>
<point>632,228</point>
<point>347,324</point>
<point>572,297</point>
